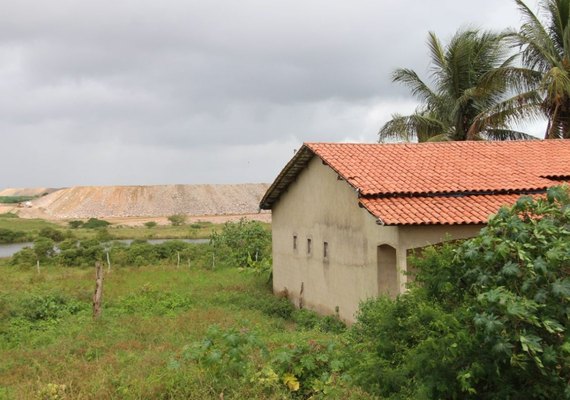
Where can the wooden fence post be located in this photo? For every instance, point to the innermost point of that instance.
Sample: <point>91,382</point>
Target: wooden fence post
<point>108,262</point>
<point>97,296</point>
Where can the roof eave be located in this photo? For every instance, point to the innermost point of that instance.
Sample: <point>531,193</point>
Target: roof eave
<point>287,175</point>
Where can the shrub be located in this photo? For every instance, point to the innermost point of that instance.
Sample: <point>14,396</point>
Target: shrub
<point>242,243</point>
<point>226,354</point>
<point>75,224</point>
<point>177,219</point>
<point>24,257</point>
<point>487,318</point>
<point>93,223</point>
<point>9,215</point>
<point>51,233</point>
<point>150,224</point>
<point>48,307</point>
<point>10,236</point>
<point>44,248</point>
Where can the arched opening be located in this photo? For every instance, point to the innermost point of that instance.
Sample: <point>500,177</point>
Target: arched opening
<point>387,271</point>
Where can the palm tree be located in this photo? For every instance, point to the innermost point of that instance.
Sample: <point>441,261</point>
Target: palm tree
<point>462,91</point>
<point>543,83</point>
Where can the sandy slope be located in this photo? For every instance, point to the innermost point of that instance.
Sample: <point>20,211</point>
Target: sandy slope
<point>148,201</point>
<point>26,191</point>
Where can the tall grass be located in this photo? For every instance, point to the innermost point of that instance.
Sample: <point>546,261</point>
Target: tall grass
<point>50,346</point>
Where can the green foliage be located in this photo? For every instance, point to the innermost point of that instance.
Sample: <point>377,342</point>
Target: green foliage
<point>308,320</point>
<point>25,257</point>
<point>306,369</point>
<point>245,244</point>
<point>311,369</point>
<point>75,224</point>
<point>487,319</point>
<point>177,219</point>
<point>15,199</point>
<point>51,233</point>
<point>150,224</point>
<point>47,307</point>
<point>462,88</point>
<point>75,253</point>
<point>10,236</point>
<point>227,354</point>
<point>9,215</point>
<point>151,301</point>
<point>44,248</point>
<point>93,223</point>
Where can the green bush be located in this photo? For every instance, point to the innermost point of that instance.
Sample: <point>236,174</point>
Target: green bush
<point>308,369</point>
<point>307,320</point>
<point>93,223</point>
<point>25,257</point>
<point>487,318</point>
<point>15,199</point>
<point>51,233</point>
<point>149,301</point>
<point>44,248</point>
<point>9,215</point>
<point>242,243</point>
<point>75,224</point>
<point>177,219</point>
<point>47,307</point>
<point>150,224</point>
<point>10,236</point>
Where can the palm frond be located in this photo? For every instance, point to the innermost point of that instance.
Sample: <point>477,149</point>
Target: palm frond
<point>410,79</point>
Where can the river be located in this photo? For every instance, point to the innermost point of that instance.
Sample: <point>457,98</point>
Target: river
<point>8,250</point>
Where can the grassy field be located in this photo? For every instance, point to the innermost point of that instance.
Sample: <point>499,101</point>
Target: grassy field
<point>12,222</point>
<point>51,348</point>
<point>197,230</point>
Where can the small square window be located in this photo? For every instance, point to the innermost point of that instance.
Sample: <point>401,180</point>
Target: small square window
<point>308,246</point>
<point>325,249</point>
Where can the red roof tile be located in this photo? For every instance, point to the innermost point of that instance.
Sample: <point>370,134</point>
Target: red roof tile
<point>447,167</point>
<point>437,210</point>
<point>436,183</point>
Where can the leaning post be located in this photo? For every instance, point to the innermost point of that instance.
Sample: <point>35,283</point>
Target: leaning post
<point>98,295</point>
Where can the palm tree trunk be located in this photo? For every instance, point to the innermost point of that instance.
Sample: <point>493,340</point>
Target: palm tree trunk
<point>553,123</point>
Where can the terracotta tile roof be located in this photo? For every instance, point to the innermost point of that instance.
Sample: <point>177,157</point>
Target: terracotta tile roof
<point>447,167</point>
<point>437,210</point>
<point>436,183</point>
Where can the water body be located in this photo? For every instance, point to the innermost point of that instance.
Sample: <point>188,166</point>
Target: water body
<point>8,250</point>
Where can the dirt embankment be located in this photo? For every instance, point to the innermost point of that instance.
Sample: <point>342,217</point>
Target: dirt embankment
<point>26,191</point>
<point>150,202</point>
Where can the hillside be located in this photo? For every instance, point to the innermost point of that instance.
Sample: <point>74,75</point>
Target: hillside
<point>147,201</point>
<point>26,191</point>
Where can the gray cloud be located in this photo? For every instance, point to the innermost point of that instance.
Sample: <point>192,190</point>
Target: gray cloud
<point>120,92</point>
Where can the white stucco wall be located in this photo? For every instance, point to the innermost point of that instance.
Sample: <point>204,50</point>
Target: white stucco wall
<point>320,207</point>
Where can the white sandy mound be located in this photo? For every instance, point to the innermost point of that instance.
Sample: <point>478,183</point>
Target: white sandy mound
<point>152,201</point>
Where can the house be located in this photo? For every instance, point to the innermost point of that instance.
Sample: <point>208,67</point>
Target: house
<point>345,217</point>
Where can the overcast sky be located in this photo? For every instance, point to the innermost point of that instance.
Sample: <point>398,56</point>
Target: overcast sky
<point>219,91</point>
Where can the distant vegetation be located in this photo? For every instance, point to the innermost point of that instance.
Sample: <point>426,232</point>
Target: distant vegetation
<point>177,220</point>
<point>15,199</point>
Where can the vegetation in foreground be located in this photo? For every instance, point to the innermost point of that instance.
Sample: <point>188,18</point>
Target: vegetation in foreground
<point>486,319</point>
<point>166,332</point>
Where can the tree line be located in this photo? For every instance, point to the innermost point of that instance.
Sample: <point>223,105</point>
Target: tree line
<point>484,83</point>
